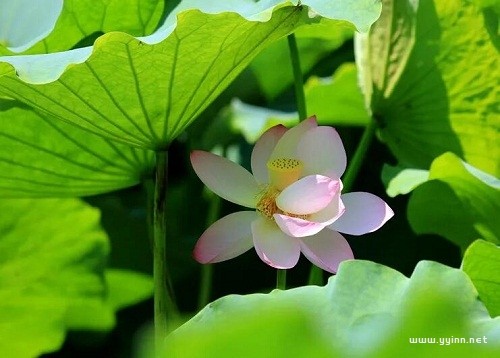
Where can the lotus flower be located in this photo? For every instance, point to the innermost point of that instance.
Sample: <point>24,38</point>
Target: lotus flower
<point>296,191</point>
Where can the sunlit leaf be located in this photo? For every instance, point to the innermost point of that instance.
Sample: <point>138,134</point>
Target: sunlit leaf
<point>458,202</point>
<point>366,310</point>
<point>147,91</point>
<point>430,74</point>
<point>55,25</point>
<point>43,157</point>
<point>400,180</point>
<point>482,264</point>
<point>52,261</point>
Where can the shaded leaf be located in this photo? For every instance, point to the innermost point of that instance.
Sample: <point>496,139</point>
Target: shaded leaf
<point>248,335</point>
<point>127,287</point>
<point>313,42</point>
<point>482,264</point>
<point>412,71</point>
<point>457,203</point>
<point>337,101</point>
<point>366,310</point>
<point>43,157</point>
<point>47,272</point>
<point>52,263</point>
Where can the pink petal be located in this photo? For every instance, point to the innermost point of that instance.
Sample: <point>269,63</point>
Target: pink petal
<point>287,145</point>
<point>226,238</point>
<point>327,250</point>
<point>322,152</point>
<point>273,246</point>
<point>262,151</point>
<point>331,213</point>
<point>364,213</point>
<point>225,178</point>
<point>308,195</point>
<point>297,227</point>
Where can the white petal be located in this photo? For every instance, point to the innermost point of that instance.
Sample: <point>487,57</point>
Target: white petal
<point>274,247</point>
<point>327,249</point>
<point>364,213</point>
<point>308,195</point>
<point>262,151</point>
<point>225,178</point>
<point>322,152</point>
<point>226,238</point>
<point>287,145</point>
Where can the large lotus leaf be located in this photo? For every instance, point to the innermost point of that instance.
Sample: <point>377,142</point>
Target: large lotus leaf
<point>46,26</point>
<point>430,73</point>
<point>146,91</point>
<point>43,157</point>
<point>482,264</point>
<point>52,261</point>
<point>458,202</point>
<point>366,310</point>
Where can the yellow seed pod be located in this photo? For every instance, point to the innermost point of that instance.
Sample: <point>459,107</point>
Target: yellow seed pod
<point>284,171</point>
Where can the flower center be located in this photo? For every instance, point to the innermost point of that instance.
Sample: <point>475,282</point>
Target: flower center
<point>284,171</point>
<point>267,205</point>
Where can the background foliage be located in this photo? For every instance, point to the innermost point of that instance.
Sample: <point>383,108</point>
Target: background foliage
<point>89,92</point>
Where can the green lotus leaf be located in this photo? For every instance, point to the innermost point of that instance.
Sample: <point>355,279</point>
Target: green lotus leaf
<point>52,275</point>
<point>458,202</point>
<point>43,157</point>
<point>313,42</point>
<point>366,310</point>
<point>430,73</point>
<point>482,264</point>
<point>47,26</point>
<point>337,100</point>
<point>146,91</point>
<point>399,180</point>
<point>126,287</point>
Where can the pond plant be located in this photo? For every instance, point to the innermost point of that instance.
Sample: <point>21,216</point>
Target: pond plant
<point>363,135</point>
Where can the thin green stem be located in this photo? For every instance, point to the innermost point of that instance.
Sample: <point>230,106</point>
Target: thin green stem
<point>207,270</point>
<point>281,279</point>
<point>316,275</point>
<point>207,274</point>
<point>164,304</point>
<point>359,156</point>
<point>300,96</point>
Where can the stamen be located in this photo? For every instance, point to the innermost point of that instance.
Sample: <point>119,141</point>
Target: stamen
<point>284,171</point>
<point>267,205</point>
